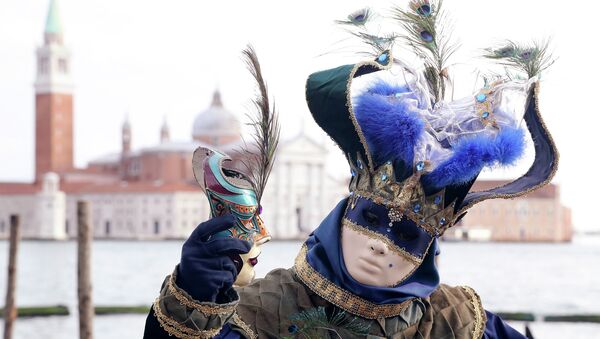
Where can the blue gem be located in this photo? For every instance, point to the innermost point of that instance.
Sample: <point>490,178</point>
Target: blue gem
<point>389,230</point>
<point>384,177</point>
<point>443,221</point>
<point>417,208</point>
<point>420,166</point>
<point>485,115</point>
<point>437,199</point>
<point>359,164</point>
<point>353,172</point>
<point>388,162</point>
<point>481,97</point>
<point>426,36</point>
<point>383,58</point>
<point>293,329</point>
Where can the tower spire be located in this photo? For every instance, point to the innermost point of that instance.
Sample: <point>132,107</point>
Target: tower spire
<point>216,102</point>
<point>53,31</point>
<point>164,131</point>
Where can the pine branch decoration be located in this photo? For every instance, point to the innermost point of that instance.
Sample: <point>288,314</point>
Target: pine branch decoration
<point>426,26</point>
<point>530,59</point>
<point>259,161</point>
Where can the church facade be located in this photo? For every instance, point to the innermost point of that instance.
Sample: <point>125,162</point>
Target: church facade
<point>148,193</point>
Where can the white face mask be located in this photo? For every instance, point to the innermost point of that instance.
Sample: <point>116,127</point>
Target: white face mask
<point>371,262</point>
<point>247,273</point>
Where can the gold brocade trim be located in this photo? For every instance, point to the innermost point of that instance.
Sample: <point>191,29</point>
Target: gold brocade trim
<point>341,298</point>
<point>178,330</point>
<point>357,128</point>
<point>433,231</point>
<point>237,320</point>
<point>479,312</point>
<point>204,309</point>
<point>387,241</point>
<point>535,95</point>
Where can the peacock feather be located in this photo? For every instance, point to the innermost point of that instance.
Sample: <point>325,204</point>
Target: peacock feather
<point>306,324</point>
<point>356,25</point>
<point>259,158</point>
<point>531,59</point>
<point>426,28</point>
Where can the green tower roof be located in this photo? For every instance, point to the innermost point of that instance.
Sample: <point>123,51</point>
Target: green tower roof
<point>53,24</point>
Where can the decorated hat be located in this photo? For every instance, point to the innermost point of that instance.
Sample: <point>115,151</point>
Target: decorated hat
<point>411,148</point>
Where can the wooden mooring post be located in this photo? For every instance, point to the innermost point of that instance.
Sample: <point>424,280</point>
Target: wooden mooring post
<point>10,308</point>
<point>84,270</point>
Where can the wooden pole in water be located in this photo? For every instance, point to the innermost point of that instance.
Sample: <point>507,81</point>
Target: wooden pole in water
<point>84,274</point>
<point>10,309</point>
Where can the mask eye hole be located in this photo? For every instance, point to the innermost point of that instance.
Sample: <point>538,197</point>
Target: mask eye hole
<point>371,217</point>
<point>406,234</point>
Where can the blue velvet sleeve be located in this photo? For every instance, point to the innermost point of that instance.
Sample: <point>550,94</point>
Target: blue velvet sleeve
<point>228,333</point>
<point>496,328</point>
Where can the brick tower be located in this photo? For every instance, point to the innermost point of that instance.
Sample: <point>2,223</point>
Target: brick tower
<point>53,101</point>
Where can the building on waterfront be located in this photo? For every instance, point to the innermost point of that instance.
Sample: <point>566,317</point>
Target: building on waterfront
<point>538,216</point>
<point>148,193</point>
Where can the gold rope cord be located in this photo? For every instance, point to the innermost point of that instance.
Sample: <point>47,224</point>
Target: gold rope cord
<point>479,312</point>
<point>178,330</point>
<point>341,298</point>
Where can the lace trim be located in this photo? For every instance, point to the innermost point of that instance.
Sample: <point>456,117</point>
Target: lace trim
<point>186,300</point>
<point>178,330</point>
<point>374,235</point>
<point>341,298</point>
<point>237,320</point>
<point>480,317</point>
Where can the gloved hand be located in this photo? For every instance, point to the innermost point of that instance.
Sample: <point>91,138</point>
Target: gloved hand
<point>206,271</point>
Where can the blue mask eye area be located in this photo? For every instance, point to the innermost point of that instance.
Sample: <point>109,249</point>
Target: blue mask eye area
<point>375,217</point>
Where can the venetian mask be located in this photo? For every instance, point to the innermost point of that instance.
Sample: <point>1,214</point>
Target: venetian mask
<point>229,192</point>
<point>379,251</point>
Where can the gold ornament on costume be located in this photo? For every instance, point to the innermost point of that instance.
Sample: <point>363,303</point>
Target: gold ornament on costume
<point>406,198</point>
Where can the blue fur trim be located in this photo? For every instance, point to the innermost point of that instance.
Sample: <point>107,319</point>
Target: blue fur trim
<point>472,154</point>
<point>390,127</point>
<point>382,88</point>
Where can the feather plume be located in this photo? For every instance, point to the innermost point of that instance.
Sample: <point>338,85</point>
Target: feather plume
<point>258,161</point>
<point>426,27</point>
<point>307,323</point>
<point>530,59</point>
<point>356,25</point>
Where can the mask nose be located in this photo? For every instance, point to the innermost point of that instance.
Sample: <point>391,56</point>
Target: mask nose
<point>377,247</point>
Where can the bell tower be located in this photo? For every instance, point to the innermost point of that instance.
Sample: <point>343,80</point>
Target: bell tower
<point>53,100</point>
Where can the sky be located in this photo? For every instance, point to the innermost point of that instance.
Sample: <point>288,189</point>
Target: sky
<point>155,59</point>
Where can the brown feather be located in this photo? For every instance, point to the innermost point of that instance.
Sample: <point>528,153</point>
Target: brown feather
<point>259,160</point>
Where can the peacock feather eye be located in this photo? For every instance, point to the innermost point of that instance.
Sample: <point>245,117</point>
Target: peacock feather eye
<point>525,55</point>
<point>359,17</point>
<point>424,10</point>
<point>506,52</point>
<point>426,36</point>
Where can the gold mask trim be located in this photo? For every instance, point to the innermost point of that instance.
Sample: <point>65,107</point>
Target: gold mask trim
<point>387,241</point>
<point>406,198</point>
<point>341,298</point>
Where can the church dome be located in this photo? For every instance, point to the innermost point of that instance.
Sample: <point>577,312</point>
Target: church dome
<point>216,125</point>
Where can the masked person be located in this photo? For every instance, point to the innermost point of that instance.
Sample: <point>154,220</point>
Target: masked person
<point>368,270</point>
